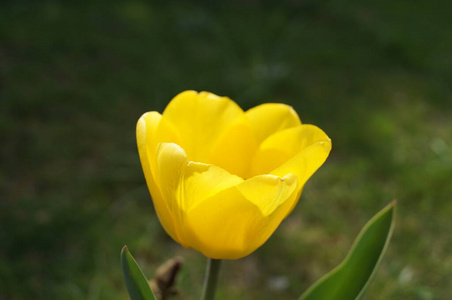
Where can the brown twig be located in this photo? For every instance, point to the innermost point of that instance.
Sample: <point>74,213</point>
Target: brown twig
<point>163,283</point>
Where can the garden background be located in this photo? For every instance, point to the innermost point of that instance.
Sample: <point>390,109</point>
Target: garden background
<point>75,77</point>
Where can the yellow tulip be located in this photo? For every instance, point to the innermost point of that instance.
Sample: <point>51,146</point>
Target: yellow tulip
<point>221,179</point>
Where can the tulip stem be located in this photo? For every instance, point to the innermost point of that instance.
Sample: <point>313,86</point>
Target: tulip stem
<point>211,279</point>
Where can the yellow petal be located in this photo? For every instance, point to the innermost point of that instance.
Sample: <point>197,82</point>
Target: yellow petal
<point>200,119</point>
<point>185,184</point>
<point>282,146</point>
<point>171,161</point>
<point>235,148</point>
<point>238,220</point>
<point>146,128</point>
<point>267,119</point>
<point>202,181</point>
<point>304,164</point>
<point>314,146</point>
<point>146,131</point>
<point>268,192</point>
<point>153,129</point>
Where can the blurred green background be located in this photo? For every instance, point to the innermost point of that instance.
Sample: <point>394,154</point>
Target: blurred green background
<point>75,77</point>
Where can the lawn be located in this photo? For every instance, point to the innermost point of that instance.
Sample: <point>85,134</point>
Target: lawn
<point>75,78</point>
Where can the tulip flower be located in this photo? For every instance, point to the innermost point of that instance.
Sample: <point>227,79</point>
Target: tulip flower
<point>221,179</point>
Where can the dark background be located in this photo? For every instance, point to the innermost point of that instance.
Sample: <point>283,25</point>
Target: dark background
<point>75,77</point>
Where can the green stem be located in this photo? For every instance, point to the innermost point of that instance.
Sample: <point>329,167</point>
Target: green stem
<point>211,279</point>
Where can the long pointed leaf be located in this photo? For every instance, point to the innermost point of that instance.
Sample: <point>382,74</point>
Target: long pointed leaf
<point>137,284</point>
<point>350,279</point>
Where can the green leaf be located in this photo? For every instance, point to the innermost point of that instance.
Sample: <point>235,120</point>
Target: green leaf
<point>350,279</point>
<point>137,284</point>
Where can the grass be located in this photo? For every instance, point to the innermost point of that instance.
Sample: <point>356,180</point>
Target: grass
<point>74,78</point>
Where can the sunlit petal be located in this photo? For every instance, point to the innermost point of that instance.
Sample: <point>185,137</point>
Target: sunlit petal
<point>201,181</point>
<point>235,148</point>
<point>269,118</point>
<point>280,147</point>
<point>305,163</point>
<point>200,119</point>
<point>146,128</point>
<point>236,221</point>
